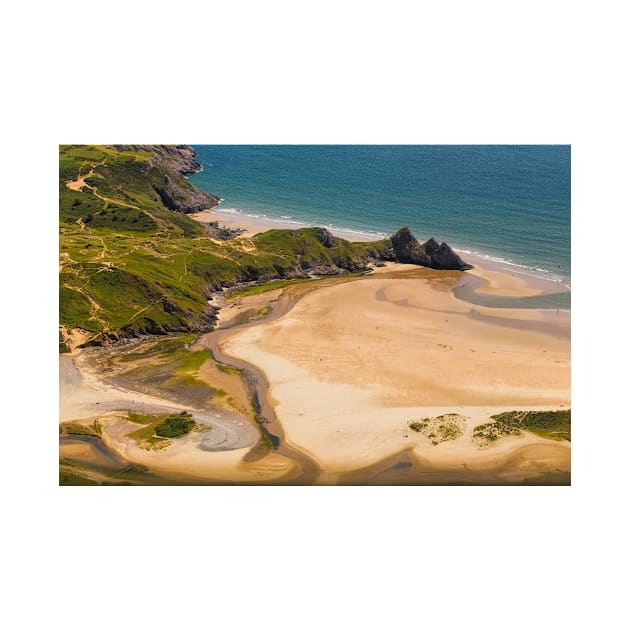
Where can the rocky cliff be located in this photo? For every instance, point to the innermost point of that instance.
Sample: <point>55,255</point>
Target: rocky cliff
<point>167,168</point>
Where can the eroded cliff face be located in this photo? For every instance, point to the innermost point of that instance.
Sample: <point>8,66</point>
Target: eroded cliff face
<point>168,166</point>
<point>175,158</point>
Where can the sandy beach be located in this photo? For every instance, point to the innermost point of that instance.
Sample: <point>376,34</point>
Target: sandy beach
<point>255,225</point>
<point>351,365</point>
<point>501,278</point>
<point>216,456</point>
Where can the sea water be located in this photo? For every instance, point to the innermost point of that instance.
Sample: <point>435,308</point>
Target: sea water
<point>509,203</point>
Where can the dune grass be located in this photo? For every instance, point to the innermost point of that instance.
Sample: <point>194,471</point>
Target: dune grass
<point>552,425</point>
<point>442,428</point>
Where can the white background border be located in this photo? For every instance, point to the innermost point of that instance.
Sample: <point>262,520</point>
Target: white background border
<point>342,72</point>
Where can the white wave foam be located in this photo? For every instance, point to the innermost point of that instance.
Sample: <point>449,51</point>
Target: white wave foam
<point>536,272</point>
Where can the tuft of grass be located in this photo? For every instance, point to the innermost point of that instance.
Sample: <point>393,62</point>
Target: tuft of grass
<point>174,426</point>
<point>442,428</point>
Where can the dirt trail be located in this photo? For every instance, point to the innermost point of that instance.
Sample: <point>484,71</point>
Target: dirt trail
<point>79,184</point>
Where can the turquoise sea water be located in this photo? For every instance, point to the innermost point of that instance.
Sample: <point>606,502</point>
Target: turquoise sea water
<point>507,202</point>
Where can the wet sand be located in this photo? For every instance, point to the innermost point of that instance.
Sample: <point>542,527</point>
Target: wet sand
<point>215,456</point>
<point>350,365</point>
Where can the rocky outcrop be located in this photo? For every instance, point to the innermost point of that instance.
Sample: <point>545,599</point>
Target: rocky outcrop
<point>176,158</point>
<point>167,168</point>
<point>431,246</point>
<point>407,249</point>
<point>178,195</point>
<point>445,258</point>
<point>325,237</point>
<point>221,232</point>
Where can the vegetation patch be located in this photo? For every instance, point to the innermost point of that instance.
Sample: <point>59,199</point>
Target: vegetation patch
<point>162,366</point>
<point>66,462</point>
<point>69,478</point>
<point>249,315</point>
<point>553,425</point>
<point>263,288</point>
<point>63,346</point>
<point>442,428</point>
<point>74,428</point>
<point>131,472</point>
<point>160,429</point>
<point>228,369</point>
<point>174,426</point>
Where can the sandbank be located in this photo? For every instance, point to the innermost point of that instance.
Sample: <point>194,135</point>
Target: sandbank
<point>352,364</point>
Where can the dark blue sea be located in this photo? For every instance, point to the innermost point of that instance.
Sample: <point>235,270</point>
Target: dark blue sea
<point>505,202</point>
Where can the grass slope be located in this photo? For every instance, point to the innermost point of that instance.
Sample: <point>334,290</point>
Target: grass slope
<point>129,265</point>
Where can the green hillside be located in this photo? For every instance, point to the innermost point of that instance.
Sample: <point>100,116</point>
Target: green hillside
<point>130,264</point>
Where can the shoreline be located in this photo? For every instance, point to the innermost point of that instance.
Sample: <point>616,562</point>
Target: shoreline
<point>528,283</point>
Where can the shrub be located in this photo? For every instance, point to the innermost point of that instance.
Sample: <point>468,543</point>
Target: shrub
<point>174,426</point>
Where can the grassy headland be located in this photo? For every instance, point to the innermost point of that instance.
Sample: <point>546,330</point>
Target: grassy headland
<point>132,262</point>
